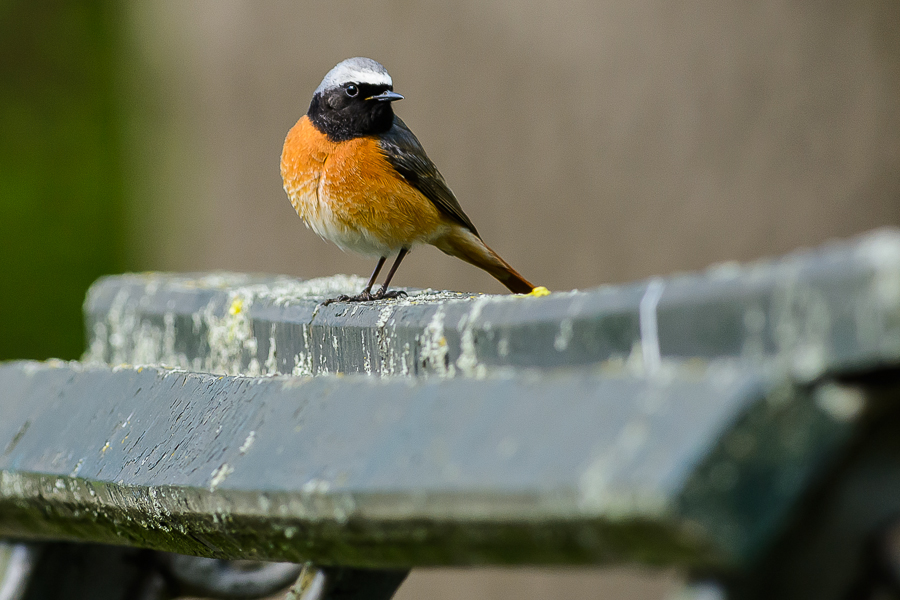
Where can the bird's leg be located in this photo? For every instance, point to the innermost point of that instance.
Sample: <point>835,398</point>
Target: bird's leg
<point>382,292</point>
<point>368,289</point>
<point>366,294</point>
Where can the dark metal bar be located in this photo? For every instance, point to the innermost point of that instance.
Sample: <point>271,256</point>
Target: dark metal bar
<point>71,571</point>
<point>843,544</point>
<point>17,563</point>
<point>76,571</point>
<point>226,579</point>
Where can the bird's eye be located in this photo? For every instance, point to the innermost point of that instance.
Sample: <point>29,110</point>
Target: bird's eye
<point>352,90</point>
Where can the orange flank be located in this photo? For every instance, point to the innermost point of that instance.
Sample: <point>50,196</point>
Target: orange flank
<point>348,193</point>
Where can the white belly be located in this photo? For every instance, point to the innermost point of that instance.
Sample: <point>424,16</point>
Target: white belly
<point>321,219</point>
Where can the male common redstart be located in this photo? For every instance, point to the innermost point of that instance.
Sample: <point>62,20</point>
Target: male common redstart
<point>358,177</point>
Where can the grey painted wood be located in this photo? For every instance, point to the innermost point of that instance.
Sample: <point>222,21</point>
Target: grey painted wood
<point>833,309</point>
<point>568,467</point>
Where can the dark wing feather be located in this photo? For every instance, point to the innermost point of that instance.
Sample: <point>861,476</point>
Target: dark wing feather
<point>406,155</point>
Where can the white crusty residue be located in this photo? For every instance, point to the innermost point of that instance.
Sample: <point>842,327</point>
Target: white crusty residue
<point>648,324</point>
<point>219,475</point>
<point>467,362</point>
<point>433,344</point>
<point>245,447</point>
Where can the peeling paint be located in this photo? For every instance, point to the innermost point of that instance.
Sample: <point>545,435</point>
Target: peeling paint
<point>503,346</point>
<point>562,339</point>
<point>434,350</point>
<point>271,364</point>
<point>468,357</point>
<point>245,447</point>
<point>219,475</point>
<point>801,328</point>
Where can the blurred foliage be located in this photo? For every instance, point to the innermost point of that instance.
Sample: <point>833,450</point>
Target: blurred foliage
<point>61,188</point>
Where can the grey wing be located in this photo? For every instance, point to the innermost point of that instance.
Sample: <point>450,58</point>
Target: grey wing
<point>405,153</point>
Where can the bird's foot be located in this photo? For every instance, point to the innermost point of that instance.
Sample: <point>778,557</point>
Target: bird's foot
<point>364,296</point>
<point>383,293</point>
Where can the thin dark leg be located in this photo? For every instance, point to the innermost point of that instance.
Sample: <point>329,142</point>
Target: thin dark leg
<point>383,293</point>
<point>364,295</point>
<point>375,274</point>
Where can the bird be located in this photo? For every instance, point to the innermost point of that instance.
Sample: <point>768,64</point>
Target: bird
<point>359,177</point>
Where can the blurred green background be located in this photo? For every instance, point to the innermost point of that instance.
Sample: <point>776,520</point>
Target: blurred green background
<point>61,176</point>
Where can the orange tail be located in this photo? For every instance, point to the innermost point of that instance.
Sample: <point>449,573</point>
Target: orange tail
<point>464,244</point>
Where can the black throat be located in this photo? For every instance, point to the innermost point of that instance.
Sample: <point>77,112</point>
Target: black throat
<point>343,118</point>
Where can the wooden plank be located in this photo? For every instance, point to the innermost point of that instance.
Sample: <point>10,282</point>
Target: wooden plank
<point>570,467</point>
<point>834,309</point>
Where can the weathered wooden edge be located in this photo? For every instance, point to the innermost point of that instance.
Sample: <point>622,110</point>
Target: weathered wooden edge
<point>828,310</point>
<point>697,517</point>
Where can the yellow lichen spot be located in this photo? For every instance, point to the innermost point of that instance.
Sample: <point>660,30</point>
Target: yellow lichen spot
<point>539,291</point>
<point>236,307</point>
<point>140,369</point>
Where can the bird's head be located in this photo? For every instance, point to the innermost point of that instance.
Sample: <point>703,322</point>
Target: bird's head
<point>354,100</point>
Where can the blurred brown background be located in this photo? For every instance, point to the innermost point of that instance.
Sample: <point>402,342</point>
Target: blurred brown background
<point>589,141</point>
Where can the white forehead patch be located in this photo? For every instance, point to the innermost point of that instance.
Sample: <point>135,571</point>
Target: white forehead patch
<point>356,70</point>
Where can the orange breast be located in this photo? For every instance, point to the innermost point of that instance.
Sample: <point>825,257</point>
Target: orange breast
<point>348,193</point>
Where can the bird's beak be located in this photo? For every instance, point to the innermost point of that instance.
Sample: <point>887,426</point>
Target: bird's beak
<point>387,96</point>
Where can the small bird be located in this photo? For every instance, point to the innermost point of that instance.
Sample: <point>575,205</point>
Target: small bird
<point>358,177</point>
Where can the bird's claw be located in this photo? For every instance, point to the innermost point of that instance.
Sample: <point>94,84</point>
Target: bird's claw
<point>363,296</point>
<point>366,296</point>
<point>383,294</point>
